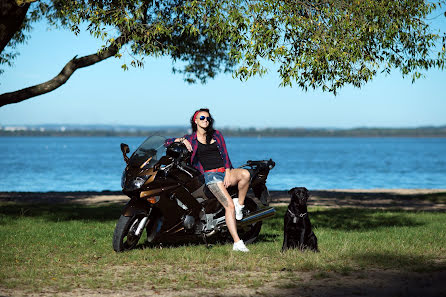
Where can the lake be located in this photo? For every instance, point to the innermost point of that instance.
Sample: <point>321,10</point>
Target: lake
<point>95,163</point>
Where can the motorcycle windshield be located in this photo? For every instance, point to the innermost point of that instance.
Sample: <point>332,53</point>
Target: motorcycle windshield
<point>148,153</point>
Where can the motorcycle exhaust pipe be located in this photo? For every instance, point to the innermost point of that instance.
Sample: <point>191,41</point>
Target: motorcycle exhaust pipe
<point>252,218</point>
<point>256,216</point>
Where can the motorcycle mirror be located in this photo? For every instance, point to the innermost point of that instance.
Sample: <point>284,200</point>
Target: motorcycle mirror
<point>125,150</point>
<point>271,164</point>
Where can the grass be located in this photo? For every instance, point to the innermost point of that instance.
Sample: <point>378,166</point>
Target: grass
<point>66,247</point>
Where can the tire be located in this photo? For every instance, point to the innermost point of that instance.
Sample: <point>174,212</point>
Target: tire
<point>124,237</point>
<point>250,233</point>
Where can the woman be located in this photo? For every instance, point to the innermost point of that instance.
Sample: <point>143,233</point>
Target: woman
<point>210,157</point>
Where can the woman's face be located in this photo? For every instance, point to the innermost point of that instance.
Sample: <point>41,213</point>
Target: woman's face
<point>202,119</point>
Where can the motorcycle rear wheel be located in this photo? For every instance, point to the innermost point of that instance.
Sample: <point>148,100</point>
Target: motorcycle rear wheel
<point>250,233</point>
<point>124,237</point>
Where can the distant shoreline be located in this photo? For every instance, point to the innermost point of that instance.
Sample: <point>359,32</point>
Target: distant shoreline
<point>101,131</point>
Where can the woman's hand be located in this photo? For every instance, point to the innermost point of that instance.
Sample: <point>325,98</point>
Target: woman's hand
<point>188,145</point>
<point>185,142</point>
<point>227,180</point>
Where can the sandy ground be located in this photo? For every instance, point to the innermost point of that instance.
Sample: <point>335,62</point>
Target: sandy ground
<point>386,283</point>
<point>371,283</point>
<point>408,199</point>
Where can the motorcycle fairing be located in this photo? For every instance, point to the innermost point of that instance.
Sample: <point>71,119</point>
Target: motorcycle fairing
<point>176,200</point>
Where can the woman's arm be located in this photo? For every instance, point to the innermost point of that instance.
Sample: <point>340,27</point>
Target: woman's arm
<point>169,141</point>
<point>186,142</point>
<point>183,139</point>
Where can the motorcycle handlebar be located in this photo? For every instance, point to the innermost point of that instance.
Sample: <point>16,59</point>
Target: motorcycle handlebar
<point>268,163</point>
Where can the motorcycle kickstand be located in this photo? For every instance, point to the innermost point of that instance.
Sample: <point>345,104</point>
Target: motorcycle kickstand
<point>208,246</point>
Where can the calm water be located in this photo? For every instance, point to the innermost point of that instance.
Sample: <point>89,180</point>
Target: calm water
<point>95,163</point>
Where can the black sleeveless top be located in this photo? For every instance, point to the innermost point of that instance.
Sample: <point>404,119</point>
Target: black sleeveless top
<point>209,156</point>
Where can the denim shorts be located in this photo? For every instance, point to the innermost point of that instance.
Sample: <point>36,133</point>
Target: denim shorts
<point>214,177</point>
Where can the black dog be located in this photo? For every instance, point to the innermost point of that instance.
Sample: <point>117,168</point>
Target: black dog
<point>297,226</point>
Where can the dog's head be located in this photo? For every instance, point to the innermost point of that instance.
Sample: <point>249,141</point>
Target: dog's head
<point>299,195</point>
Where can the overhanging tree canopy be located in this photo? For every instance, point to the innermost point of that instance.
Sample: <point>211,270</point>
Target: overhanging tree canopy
<point>323,44</point>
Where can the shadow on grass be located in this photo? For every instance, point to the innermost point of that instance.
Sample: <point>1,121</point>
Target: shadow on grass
<point>188,240</point>
<point>364,196</point>
<point>351,219</point>
<point>384,274</point>
<point>334,218</point>
<point>59,197</point>
<point>267,237</point>
<point>100,213</point>
<point>361,219</point>
<point>379,282</point>
<point>392,260</point>
<point>62,212</point>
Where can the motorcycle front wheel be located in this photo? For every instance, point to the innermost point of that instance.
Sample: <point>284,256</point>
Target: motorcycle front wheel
<point>124,237</point>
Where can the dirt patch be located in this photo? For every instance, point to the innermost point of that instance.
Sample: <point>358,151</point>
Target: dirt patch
<point>385,283</point>
<point>363,283</point>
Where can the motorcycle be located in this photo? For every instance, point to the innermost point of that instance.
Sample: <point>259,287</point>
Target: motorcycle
<point>169,199</point>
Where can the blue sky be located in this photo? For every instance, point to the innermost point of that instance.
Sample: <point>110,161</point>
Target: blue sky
<point>105,94</point>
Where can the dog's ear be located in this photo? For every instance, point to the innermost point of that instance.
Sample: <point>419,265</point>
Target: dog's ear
<point>291,191</point>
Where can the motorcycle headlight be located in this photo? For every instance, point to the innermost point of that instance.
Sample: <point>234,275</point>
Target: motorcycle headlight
<point>136,183</point>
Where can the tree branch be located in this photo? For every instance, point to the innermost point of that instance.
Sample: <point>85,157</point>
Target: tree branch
<point>63,76</point>
<point>11,19</point>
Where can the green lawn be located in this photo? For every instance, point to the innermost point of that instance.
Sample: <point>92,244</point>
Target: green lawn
<point>66,247</point>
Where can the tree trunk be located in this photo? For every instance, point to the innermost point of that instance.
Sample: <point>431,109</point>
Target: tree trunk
<point>62,77</point>
<point>11,19</point>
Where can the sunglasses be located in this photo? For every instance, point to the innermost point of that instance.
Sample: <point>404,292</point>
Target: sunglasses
<point>203,117</point>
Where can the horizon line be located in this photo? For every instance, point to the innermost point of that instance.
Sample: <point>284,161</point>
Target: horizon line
<point>230,127</point>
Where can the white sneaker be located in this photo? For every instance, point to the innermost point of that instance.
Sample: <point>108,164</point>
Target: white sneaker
<point>240,247</point>
<point>238,209</point>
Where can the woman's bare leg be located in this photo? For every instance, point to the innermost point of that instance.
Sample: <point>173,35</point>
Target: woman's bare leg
<point>219,191</point>
<point>240,177</point>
